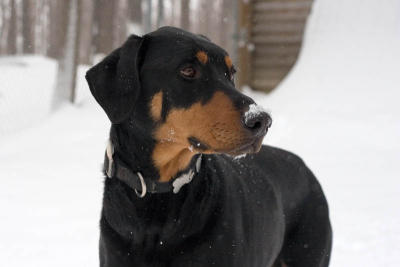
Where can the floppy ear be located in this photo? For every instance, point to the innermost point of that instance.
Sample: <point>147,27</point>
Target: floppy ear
<point>114,82</point>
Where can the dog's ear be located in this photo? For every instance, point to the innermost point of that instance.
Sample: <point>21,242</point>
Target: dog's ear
<point>114,82</point>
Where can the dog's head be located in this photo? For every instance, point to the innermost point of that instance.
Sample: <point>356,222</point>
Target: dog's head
<point>180,87</point>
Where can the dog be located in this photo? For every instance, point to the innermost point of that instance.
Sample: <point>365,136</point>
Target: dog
<point>178,190</point>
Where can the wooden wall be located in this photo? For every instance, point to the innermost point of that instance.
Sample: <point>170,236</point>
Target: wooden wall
<point>274,32</point>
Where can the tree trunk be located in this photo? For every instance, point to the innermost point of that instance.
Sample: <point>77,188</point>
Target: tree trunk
<point>227,25</point>
<point>119,23</point>
<point>160,13</point>
<point>171,18</point>
<point>211,18</point>
<point>146,7</point>
<point>67,67</point>
<point>28,26</point>
<point>105,17</point>
<point>201,20</point>
<point>185,14</point>
<point>75,22</point>
<point>41,27</point>
<point>58,27</point>
<point>86,11</point>
<point>4,26</point>
<point>12,30</point>
<point>135,11</point>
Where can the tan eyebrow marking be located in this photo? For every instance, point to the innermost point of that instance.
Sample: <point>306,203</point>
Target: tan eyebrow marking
<point>228,62</point>
<point>202,57</point>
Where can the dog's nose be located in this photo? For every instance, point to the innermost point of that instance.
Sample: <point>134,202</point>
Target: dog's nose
<point>257,122</point>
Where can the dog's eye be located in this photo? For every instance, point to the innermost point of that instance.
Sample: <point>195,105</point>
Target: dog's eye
<point>232,74</point>
<point>188,72</point>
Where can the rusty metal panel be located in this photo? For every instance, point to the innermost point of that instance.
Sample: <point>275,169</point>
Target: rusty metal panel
<point>275,33</point>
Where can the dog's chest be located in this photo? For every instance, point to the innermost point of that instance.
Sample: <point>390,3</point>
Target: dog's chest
<point>233,246</point>
<point>244,229</point>
<point>248,232</point>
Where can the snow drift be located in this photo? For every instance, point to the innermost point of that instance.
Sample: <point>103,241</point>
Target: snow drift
<point>26,90</point>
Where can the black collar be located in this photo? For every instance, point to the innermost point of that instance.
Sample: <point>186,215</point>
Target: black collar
<point>116,168</point>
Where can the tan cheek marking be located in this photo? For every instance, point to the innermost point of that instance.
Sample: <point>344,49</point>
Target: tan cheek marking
<point>222,131</point>
<point>156,106</point>
<point>228,62</point>
<point>202,57</point>
<point>172,166</point>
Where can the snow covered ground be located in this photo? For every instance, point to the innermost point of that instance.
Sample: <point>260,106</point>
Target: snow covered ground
<point>26,85</point>
<point>337,109</point>
<point>51,184</point>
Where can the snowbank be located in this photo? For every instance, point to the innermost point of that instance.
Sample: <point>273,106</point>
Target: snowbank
<point>51,183</point>
<point>26,88</point>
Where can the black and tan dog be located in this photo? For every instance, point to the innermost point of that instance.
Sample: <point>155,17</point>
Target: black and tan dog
<point>174,195</point>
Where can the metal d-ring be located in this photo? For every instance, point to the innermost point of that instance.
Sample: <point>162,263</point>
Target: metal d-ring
<point>110,153</point>
<point>144,188</point>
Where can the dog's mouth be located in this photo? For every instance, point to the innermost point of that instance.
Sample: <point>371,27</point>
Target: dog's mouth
<point>253,146</point>
<point>250,146</point>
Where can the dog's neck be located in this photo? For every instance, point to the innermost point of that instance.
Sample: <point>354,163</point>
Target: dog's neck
<point>145,220</point>
<point>199,199</point>
<point>170,159</point>
<point>156,161</point>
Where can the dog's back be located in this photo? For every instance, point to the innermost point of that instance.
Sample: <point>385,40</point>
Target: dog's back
<point>308,235</point>
<point>276,207</point>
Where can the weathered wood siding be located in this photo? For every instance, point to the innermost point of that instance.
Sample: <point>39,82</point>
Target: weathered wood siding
<point>274,36</point>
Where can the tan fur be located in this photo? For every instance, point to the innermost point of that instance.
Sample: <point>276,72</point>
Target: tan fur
<point>202,57</point>
<point>173,162</point>
<point>228,62</point>
<point>221,131</point>
<point>156,106</point>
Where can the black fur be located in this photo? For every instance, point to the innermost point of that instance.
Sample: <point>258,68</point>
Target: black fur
<point>257,211</point>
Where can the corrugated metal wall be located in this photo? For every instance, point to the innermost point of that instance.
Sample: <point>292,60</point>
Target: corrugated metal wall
<point>274,35</point>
